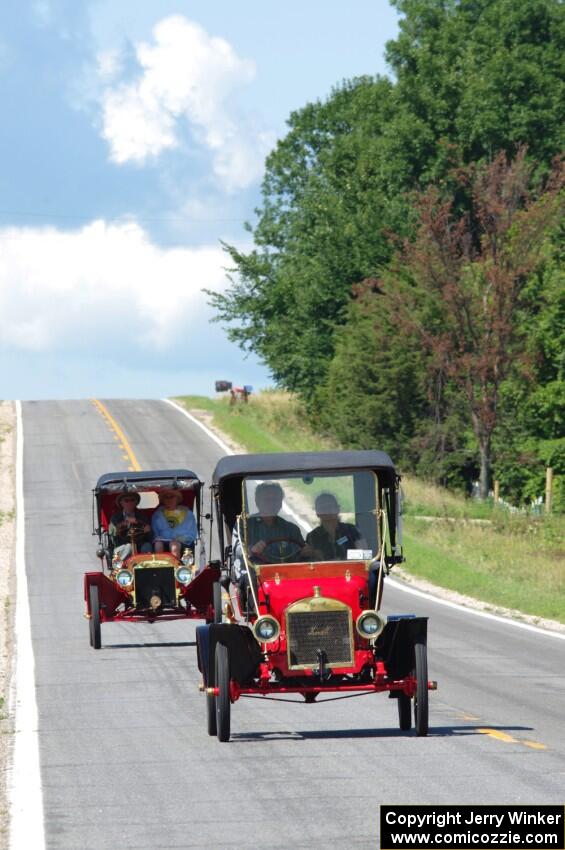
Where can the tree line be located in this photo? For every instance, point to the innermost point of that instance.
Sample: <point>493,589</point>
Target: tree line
<point>406,279</point>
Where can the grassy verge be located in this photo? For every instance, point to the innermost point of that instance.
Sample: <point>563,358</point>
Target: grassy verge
<point>270,422</point>
<point>514,561</point>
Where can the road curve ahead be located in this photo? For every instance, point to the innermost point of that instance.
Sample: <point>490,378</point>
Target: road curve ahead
<point>125,758</point>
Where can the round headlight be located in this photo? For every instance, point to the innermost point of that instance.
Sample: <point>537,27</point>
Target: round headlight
<point>266,629</point>
<point>370,624</point>
<point>124,578</point>
<point>184,575</point>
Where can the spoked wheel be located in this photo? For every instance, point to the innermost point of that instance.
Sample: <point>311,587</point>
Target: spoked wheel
<point>404,712</point>
<point>217,602</point>
<point>421,695</point>
<point>94,622</point>
<point>223,703</point>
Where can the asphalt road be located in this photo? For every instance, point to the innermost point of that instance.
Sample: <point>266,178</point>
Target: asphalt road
<point>125,758</point>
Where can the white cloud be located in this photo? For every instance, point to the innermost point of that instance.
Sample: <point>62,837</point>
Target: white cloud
<point>187,78</point>
<point>108,64</point>
<point>105,288</point>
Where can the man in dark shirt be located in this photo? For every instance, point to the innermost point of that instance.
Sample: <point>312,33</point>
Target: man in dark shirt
<point>126,519</point>
<point>332,538</point>
<point>269,538</point>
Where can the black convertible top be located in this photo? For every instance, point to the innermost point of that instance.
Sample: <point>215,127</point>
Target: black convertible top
<point>113,482</point>
<point>263,464</point>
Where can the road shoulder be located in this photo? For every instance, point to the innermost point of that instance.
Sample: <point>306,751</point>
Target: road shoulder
<point>7,597</point>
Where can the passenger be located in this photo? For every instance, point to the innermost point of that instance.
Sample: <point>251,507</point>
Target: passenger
<point>173,524</point>
<point>332,538</point>
<point>123,522</point>
<point>270,537</point>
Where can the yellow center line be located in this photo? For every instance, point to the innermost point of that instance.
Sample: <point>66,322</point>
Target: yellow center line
<point>500,736</point>
<point>534,745</point>
<point>509,739</point>
<point>119,435</point>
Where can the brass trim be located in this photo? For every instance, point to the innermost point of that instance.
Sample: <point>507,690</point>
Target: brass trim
<point>262,619</point>
<point>364,614</point>
<point>153,563</point>
<point>311,605</point>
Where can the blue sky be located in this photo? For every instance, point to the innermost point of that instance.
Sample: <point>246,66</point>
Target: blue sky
<point>133,141</point>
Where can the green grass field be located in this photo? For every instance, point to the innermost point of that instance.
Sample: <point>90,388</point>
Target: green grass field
<point>511,560</point>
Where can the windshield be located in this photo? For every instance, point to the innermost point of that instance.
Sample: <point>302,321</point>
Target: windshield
<point>313,517</point>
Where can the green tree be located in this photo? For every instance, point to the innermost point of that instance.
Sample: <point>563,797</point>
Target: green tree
<point>472,77</point>
<point>531,431</point>
<point>462,284</point>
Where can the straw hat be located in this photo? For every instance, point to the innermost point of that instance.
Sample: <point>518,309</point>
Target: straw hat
<point>176,493</point>
<point>122,496</point>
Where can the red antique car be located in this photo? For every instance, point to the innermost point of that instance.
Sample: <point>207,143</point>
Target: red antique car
<point>310,538</point>
<point>135,583</point>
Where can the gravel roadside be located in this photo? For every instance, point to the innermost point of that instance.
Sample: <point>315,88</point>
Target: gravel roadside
<point>7,597</point>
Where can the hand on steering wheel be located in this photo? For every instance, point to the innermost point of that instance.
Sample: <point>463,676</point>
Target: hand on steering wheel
<point>136,529</point>
<point>268,556</point>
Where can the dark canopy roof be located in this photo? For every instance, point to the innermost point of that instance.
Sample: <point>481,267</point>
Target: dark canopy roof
<point>113,482</point>
<point>231,470</point>
<point>289,462</point>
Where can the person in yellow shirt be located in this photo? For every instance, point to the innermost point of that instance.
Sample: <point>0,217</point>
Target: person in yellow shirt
<point>173,524</point>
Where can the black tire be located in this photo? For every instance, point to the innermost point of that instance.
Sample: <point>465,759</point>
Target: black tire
<point>421,695</point>
<point>94,622</point>
<point>217,601</point>
<point>212,726</point>
<point>223,703</point>
<point>404,712</point>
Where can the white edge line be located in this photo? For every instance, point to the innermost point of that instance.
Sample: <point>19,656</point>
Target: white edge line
<point>396,584</point>
<point>293,514</point>
<point>24,782</point>
<point>195,421</point>
<point>505,620</point>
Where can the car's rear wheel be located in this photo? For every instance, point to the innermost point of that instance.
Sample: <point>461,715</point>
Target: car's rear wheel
<point>217,601</point>
<point>212,726</point>
<point>421,695</point>
<point>404,712</point>
<point>94,622</point>
<point>223,703</point>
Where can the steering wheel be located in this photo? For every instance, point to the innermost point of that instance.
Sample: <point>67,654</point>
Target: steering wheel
<point>136,529</point>
<point>268,556</point>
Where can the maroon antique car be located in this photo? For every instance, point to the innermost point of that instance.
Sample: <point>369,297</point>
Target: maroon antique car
<point>134,584</point>
<point>310,538</point>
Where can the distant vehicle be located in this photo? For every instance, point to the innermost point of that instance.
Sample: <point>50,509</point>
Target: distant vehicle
<point>304,612</point>
<point>145,587</point>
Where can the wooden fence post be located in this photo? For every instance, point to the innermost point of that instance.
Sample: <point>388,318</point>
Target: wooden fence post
<point>496,495</point>
<point>548,488</point>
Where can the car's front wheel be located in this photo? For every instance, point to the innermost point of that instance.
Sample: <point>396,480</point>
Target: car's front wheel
<point>223,702</point>
<point>94,622</point>
<point>217,601</point>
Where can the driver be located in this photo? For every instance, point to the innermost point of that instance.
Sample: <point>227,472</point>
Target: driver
<point>126,520</point>
<point>270,537</point>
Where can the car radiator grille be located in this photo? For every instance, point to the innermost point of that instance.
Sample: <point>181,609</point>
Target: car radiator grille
<point>329,631</point>
<point>159,581</point>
